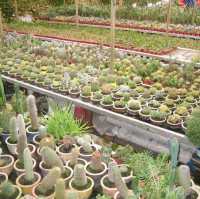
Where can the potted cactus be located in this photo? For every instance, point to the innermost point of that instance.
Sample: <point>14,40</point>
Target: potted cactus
<point>96,97</point>
<point>182,111</point>
<point>157,118</point>
<point>133,107</point>
<point>74,158</point>
<point>65,149</point>
<point>86,93</point>
<point>154,104</point>
<point>164,109</point>
<point>174,121</point>
<point>74,90</point>
<point>96,169</point>
<point>32,129</point>
<point>172,94</point>
<point>3,177</point>
<point>81,183</point>
<point>145,113</point>
<point>107,102</point>
<point>191,100</point>
<point>26,181</point>
<point>170,104</point>
<point>6,163</point>
<point>50,160</point>
<point>11,141</point>
<point>119,106</point>
<point>117,95</point>
<point>159,96</point>
<point>46,189</point>
<point>10,191</point>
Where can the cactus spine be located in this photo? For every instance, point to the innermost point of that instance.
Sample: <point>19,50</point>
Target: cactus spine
<point>13,129</point>
<point>96,163</point>
<point>28,166</point>
<point>184,177</point>
<point>32,109</point>
<point>174,153</point>
<point>60,189</point>
<point>80,178</point>
<point>49,181</point>
<point>51,159</point>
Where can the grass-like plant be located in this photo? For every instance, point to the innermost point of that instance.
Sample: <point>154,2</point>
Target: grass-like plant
<point>62,122</point>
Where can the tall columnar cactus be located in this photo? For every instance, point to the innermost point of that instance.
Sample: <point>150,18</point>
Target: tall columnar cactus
<point>28,166</point>
<point>51,159</point>
<point>184,177</point>
<point>174,153</point>
<point>74,156</point>
<point>49,181</point>
<point>96,163</point>
<point>13,129</point>
<point>80,178</point>
<point>21,146</point>
<point>21,125</point>
<point>32,109</point>
<point>60,189</point>
<point>2,94</point>
<point>110,171</point>
<point>72,195</point>
<point>120,184</point>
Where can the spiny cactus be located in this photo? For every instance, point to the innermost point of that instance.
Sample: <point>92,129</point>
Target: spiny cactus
<point>51,159</point>
<point>96,163</point>
<point>110,171</point>
<point>120,184</point>
<point>47,142</point>
<point>32,109</point>
<point>174,152</point>
<point>80,178</point>
<point>72,195</point>
<point>21,146</point>
<point>86,145</point>
<point>13,129</point>
<point>74,156</point>
<point>184,177</point>
<point>68,142</point>
<point>28,166</point>
<point>7,190</point>
<point>49,181</point>
<point>21,125</point>
<point>42,132</point>
<point>60,189</point>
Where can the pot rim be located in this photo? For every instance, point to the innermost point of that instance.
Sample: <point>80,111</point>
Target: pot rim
<point>96,174</point>
<point>11,163</point>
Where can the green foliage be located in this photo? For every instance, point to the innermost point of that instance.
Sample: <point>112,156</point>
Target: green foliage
<point>7,190</point>
<point>7,9</point>
<point>5,117</point>
<point>2,95</point>
<point>62,123</point>
<point>193,126</point>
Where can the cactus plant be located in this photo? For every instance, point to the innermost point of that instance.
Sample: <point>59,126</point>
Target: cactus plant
<point>60,189</point>
<point>8,191</point>
<point>51,159</point>
<point>80,179</point>
<point>183,176</point>
<point>42,132</point>
<point>13,130</point>
<point>86,145</point>
<point>47,142</point>
<point>28,166</point>
<point>32,109</point>
<point>49,181</point>
<point>2,94</point>
<point>74,156</point>
<point>96,163</point>
<point>21,125</point>
<point>110,171</point>
<point>72,195</point>
<point>68,142</point>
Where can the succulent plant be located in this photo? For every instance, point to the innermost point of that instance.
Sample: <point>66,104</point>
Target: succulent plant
<point>190,99</point>
<point>181,110</point>
<point>74,156</point>
<point>164,109</point>
<point>7,190</point>
<point>86,91</point>
<point>47,142</point>
<point>107,100</point>
<point>60,189</point>
<point>28,166</point>
<point>119,104</point>
<point>80,179</point>
<point>13,129</point>
<point>32,109</point>
<point>184,177</point>
<point>97,95</point>
<point>42,132</point>
<point>106,89</point>
<point>110,171</point>
<point>146,111</point>
<point>85,144</point>
<point>159,95</point>
<point>154,104</point>
<point>174,119</point>
<point>49,181</point>
<point>21,125</point>
<point>51,159</point>
<point>96,162</point>
<point>2,94</point>
<point>132,84</point>
<point>134,105</point>
<point>72,194</point>
<point>172,93</point>
<point>158,116</point>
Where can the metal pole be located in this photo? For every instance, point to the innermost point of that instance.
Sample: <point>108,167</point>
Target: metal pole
<point>113,18</point>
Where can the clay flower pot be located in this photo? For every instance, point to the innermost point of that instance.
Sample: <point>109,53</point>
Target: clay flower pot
<point>117,195</point>
<point>11,147</point>
<point>87,156</point>
<point>37,195</point>
<point>96,176</point>
<point>27,189</point>
<point>20,171</point>
<point>3,177</point>
<point>83,194</point>
<point>64,155</point>
<point>8,167</point>
<point>79,161</point>
<point>31,134</point>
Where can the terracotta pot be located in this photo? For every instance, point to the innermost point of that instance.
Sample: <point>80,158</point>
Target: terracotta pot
<point>174,126</point>
<point>96,176</point>
<point>4,176</point>
<point>83,194</point>
<point>74,94</point>
<point>19,171</point>
<point>44,197</point>
<point>85,98</point>
<point>106,106</point>
<point>143,117</point>
<point>27,189</point>
<point>133,112</point>
<point>9,167</point>
<point>31,134</point>
<point>87,157</point>
<point>107,190</point>
<point>11,147</point>
<point>158,123</point>
<point>80,161</point>
<point>64,156</point>
<point>119,110</point>
<point>32,149</point>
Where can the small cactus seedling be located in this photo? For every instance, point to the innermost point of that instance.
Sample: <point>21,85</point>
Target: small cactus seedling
<point>80,178</point>
<point>51,159</point>
<point>96,163</point>
<point>60,189</point>
<point>13,130</point>
<point>28,166</point>
<point>120,184</point>
<point>184,177</point>
<point>74,156</point>
<point>32,109</point>
<point>49,181</point>
<point>7,190</point>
